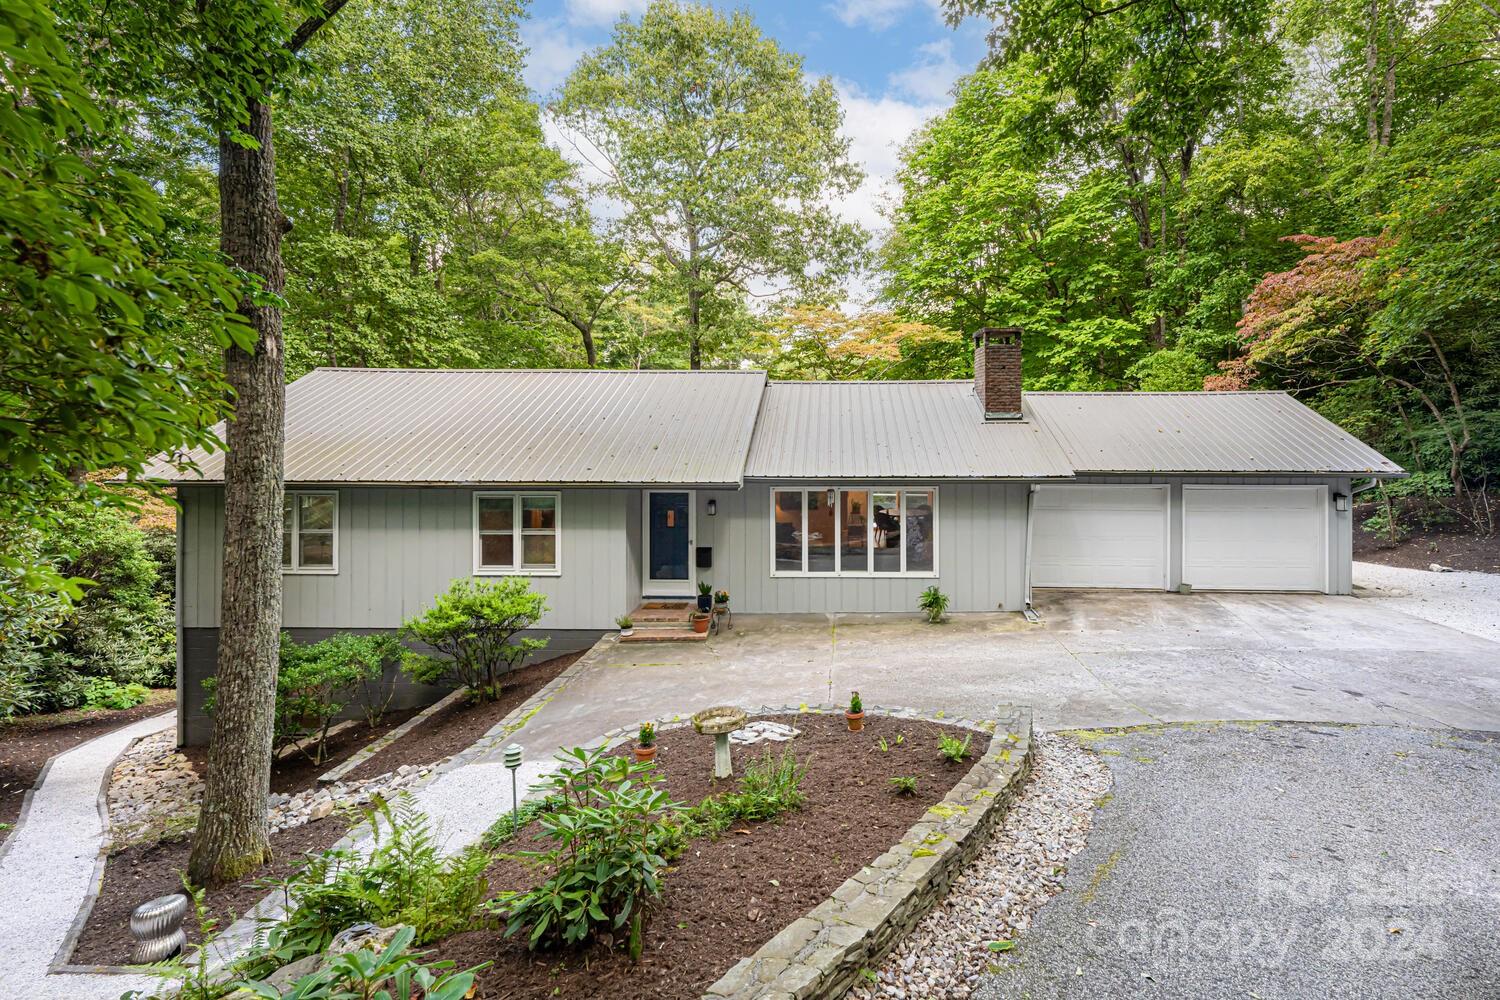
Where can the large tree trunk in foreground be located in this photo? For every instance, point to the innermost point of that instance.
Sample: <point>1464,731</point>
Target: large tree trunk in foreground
<point>232,835</point>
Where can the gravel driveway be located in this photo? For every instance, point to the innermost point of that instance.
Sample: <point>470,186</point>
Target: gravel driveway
<point>1278,860</point>
<point>1469,602</point>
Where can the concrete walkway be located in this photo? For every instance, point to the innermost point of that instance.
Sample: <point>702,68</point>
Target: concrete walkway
<point>48,870</point>
<point>1099,659</point>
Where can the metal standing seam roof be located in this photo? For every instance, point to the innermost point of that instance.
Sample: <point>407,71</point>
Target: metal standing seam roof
<point>894,430</point>
<point>409,426</point>
<point>1210,432</point>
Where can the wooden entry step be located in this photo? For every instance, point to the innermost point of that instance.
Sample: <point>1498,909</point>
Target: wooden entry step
<point>664,621</point>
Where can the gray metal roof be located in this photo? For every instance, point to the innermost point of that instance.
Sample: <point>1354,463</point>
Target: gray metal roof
<point>893,430</point>
<point>398,426</point>
<point>1213,432</point>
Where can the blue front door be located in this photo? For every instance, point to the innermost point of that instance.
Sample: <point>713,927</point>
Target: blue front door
<point>669,543</point>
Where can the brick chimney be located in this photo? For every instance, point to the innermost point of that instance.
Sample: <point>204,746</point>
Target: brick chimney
<point>997,371</point>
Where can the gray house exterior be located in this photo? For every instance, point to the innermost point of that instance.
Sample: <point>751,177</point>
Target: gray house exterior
<point>607,488</point>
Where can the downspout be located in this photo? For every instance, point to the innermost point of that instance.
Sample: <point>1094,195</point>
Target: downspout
<point>1028,610</point>
<point>177,574</point>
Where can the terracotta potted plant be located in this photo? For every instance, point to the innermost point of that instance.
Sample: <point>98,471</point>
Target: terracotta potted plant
<point>705,596</point>
<point>855,715</point>
<point>700,621</point>
<point>627,627</point>
<point>645,743</point>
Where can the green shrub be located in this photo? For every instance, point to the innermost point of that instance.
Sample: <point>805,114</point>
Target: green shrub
<point>473,626</point>
<point>317,681</point>
<point>934,602</point>
<point>953,748</point>
<point>771,786</point>
<point>364,974</point>
<point>508,825</point>
<point>101,692</point>
<point>404,879</point>
<point>614,835</point>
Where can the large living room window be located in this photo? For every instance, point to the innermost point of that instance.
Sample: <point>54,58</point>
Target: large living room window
<point>309,531</point>
<point>517,533</point>
<point>834,531</point>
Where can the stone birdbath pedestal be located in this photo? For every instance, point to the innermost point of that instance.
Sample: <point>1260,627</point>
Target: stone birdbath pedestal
<point>719,722</point>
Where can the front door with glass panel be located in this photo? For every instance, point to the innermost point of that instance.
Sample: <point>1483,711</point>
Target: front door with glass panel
<point>669,544</point>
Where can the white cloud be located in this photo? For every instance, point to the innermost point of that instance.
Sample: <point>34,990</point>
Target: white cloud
<point>552,54</point>
<point>603,13</point>
<point>932,76</point>
<point>876,128</point>
<point>876,14</point>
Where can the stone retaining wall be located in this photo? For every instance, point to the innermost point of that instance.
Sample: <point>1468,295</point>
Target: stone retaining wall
<point>820,955</point>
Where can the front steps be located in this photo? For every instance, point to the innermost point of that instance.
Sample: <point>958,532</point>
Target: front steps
<point>664,621</point>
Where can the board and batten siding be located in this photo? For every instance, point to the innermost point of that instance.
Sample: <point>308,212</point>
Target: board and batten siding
<point>400,547</point>
<point>981,530</point>
<point>1340,533</point>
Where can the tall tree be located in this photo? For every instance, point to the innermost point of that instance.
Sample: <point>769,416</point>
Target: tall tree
<point>723,156</point>
<point>223,61</point>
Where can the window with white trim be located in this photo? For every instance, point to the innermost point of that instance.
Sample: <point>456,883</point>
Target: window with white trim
<point>309,531</point>
<point>517,532</point>
<point>854,531</point>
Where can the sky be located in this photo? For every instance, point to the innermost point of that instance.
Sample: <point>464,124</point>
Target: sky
<point>893,63</point>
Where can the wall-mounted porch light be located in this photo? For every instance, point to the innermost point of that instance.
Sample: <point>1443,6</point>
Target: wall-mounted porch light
<point>713,506</point>
<point>1341,501</point>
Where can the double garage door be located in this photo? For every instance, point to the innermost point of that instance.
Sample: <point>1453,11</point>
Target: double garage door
<point>1231,537</point>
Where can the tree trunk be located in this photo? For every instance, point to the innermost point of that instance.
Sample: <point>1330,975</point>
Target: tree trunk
<point>232,836</point>
<point>695,327</point>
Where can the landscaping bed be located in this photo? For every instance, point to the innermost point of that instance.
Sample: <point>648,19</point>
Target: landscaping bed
<point>146,871</point>
<point>459,726</point>
<point>139,871</point>
<point>724,898</point>
<point>27,743</point>
<point>1445,542</point>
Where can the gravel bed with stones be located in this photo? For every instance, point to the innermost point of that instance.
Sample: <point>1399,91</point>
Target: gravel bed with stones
<point>155,790</point>
<point>996,896</point>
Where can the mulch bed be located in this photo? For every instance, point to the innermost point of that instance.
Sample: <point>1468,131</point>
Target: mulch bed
<point>1446,545</point>
<point>143,872</point>
<point>30,741</point>
<point>147,871</point>
<point>726,898</point>
<point>459,726</point>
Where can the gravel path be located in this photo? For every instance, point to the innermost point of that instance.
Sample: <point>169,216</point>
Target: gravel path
<point>1278,861</point>
<point>994,898</point>
<point>1469,602</point>
<point>48,869</point>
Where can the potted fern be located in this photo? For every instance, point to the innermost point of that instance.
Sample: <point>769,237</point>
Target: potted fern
<point>627,627</point>
<point>645,742</point>
<point>855,715</point>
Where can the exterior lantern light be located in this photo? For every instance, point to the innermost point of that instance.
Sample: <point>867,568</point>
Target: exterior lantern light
<point>513,764</point>
<point>713,506</point>
<point>1341,501</point>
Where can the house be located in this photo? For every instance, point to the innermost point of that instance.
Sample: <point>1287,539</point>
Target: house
<point>610,487</point>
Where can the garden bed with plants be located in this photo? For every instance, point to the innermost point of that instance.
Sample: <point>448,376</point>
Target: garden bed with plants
<point>631,879</point>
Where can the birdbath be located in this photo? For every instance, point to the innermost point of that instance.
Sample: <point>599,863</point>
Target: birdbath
<point>719,722</point>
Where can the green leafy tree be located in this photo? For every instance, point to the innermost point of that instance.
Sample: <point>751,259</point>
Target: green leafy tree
<point>96,295</point>
<point>473,629</point>
<point>722,155</point>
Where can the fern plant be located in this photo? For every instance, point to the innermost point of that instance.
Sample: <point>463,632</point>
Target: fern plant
<point>404,879</point>
<point>934,602</point>
<point>954,749</point>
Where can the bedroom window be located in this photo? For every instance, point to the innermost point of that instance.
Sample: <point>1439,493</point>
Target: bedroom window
<point>834,531</point>
<point>309,530</point>
<point>517,533</point>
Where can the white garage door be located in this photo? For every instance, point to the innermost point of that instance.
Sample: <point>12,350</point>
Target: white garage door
<point>1255,537</point>
<point>1099,536</point>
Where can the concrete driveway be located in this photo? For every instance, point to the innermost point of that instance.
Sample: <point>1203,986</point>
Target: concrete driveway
<point>1277,861</point>
<point>1099,659</point>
